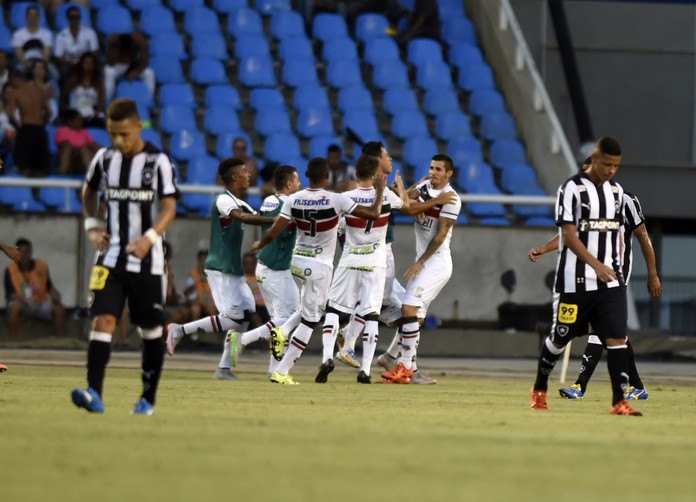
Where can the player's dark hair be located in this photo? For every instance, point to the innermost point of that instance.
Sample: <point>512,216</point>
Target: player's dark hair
<point>227,166</point>
<point>317,170</point>
<point>366,167</point>
<point>281,175</point>
<point>22,241</point>
<point>122,109</point>
<point>449,165</point>
<point>609,146</point>
<point>334,148</point>
<point>373,148</point>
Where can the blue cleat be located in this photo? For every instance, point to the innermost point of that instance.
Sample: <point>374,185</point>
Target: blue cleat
<point>636,394</point>
<point>87,399</point>
<point>573,392</point>
<point>142,407</point>
<point>347,356</point>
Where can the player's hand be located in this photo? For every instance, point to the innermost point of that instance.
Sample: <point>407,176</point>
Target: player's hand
<point>654,286</point>
<point>534,254</point>
<point>413,271</point>
<point>139,247</point>
<point>99,238</point>
<point>380,180</point>
<point>255,247</point>
<point>399,183</point>
<point>604,273</point>
<point>446,198</point>
<point>419,217</point>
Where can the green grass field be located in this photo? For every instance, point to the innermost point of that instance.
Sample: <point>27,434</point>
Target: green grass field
<point>463,439</point>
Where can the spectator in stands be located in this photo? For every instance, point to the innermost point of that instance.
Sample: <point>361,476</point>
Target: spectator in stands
<point>4,73</point>
<point>239,151</point>
<point>342,175</point>
<point>32,41</point>
<point>38,75</point>
<point>30,292</point>
<point>84,91</point>
<point>76,146</point>
<point>7,130</point>
<point>73,41</point>
<point>423,22</point>
<point>127,55</point>
<point>28,111</point>
<point>199,301</point>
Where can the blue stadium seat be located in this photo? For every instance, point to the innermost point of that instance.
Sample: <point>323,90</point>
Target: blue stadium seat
<point>257,72</point>
<point>227,6</point>
<point>5,39</point>
<point>281,147</point>
<point>495,221</point>
<point>419,150</point>
<point>342,73</point>
<point>300,163</point>
<point>199,204</point>
<point>363,123</point>
<point>167,69</point>
<point>475,76</point>
<point>98,4</point>
<point>200,19</point>
<point>356,97</point>
<point>476,177</point>
<point>315,121</point>
<point>185,5</point>
<point>327,26</point>
<point>18,13</point>
<point>244,21</point>
<point>409,124</point>
<point>319,145</point>
<point>380,49</point>
<point>139,5</point>
<point>135,90</point>
<point>437,101</point>
<point>202,170</point>
<point>186,144</point>
<point>370,25</point>
<point>287,24</point>
<point>223,143</point>
<point>209,45</point>
<point>266,98</point>
<point>531,210</point>
<point>463,150</point>
<point>458,30</point>
<point>310,95</point>
<point>295,48</point>
<point>297,72</point>
<point>100,136</point>
<point>207,72</point>
<point>149,134</point>
<point>339,48</point>
<point>434,75</point>
<point>252,45</point>
<point>452,125</point>
<point>219,120</point>
<point>173,117</point>
<point>157,19</point>
<point>537,221</point>
<point>20,199</point>
<point>485,101</point>
<point>222,95</point>
<point>399,98</point>
<point>507,151</point>
<point>516,177</point>
<point>114,19</point>
<point>60,199</point>
<point>268,7</point>
<point>167,44</point>
<point>423,50</point>
<point>271,121</point>
<point>388,74</point>
<point>448,9</point>
<point>62,15</point>
<point>462,54</point>
<point>499,125</point>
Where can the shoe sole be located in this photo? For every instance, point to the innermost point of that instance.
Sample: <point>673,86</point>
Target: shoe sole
<point>169,341</point>
<point>347,360</point>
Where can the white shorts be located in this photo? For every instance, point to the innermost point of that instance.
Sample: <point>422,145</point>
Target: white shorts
<point>424,288</point>
<point>313,278</point>
<point>231,294</point>
<point>390,277</point>
<point>279,291</point>
<point>350,287</point>
<point>43,310</point>
<point>391,309</point>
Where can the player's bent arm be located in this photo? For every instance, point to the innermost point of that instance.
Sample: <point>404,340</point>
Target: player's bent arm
<point>573,242</point>
<point>90,208</point>
<point>251,219</point>
<point>646,247</point>
<point>278,226</point>
<point>374,211</point>
<point>12,253</point>
<point>166,215</point>
<point>90,201</point>
<point>537,252</point>
<point>443,227</point>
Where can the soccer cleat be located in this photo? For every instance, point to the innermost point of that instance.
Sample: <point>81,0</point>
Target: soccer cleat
<point>283,379</point>
<point>276,342</point>
<point>2,368</point>
<point>386,361</point>
<point>340,340</point>
<point>174,334</point>
<point>224,374</point>
<point>538,398</point>
<point>364,377</point>
<point>142,407</point>
<point>87,399</point>
<point>633,394</point>
<point>236,347</point>
<point>622,408</point>
<point>324,370</point>
<point>398,374</point>
<point>421,379</point>
<point>347,356</point>
<point>572,392</point>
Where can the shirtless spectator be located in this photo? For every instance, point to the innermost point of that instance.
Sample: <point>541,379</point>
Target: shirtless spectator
<point>127,55</point>
<point>4,68</point>
<point>32,41</point>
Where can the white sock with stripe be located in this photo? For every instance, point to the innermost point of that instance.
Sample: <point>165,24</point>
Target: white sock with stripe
<point>370,337</point>
<point>297,344</point>
<point>211,324</point>
<point>328,336</point>
<point>410,335</point>
<point>355,327</point>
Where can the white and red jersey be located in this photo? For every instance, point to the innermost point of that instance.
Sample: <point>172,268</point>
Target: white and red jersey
<point>316,212</point>
<point>366,239</point>
<point>427,229</point>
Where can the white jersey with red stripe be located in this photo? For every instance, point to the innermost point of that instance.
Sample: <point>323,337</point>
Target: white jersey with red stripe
<point>316,212</point>
<point>366,239</point>
<point>427,229</point>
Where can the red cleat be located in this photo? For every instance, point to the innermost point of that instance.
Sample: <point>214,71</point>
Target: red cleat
<point>622,408</point>
<point>398,374</point>
<point>538,398</point>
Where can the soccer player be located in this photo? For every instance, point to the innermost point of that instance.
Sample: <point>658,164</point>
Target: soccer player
<point>433,267</point>
<point>223,267</point>
<point>139,183</point>
<point>633,222</point>
<point>589,278</point>
<point>316,213</point>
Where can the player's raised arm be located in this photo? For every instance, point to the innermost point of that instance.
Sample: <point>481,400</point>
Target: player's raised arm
<point>278,226</point>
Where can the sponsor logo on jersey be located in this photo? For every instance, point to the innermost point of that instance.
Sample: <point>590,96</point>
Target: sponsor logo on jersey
<point>313,202</point>
<point>599,225</point>
<point>130,195</point>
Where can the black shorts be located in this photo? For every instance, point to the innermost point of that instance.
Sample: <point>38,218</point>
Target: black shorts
<point>31,148</point>
<point>605,309</point>
<point>109,289</point>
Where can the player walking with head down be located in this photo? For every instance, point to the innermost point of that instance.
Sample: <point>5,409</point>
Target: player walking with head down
<point>139,184</point>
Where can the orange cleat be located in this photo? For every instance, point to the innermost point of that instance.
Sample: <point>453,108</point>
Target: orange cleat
<point>622,408</point>
<point>398,374</point>
<point>2,368</point>
<point>538,398</point>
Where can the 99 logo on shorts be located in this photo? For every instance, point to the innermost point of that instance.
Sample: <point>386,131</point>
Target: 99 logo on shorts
<point>567,313</point>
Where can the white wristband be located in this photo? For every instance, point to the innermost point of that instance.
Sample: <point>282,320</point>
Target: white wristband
<point>151,235</point>
<point>91,223</point>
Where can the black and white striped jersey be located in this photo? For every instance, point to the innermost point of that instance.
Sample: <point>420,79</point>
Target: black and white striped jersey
<point>633,218</point>
<point>597,213</point>
<point>132,188</point>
